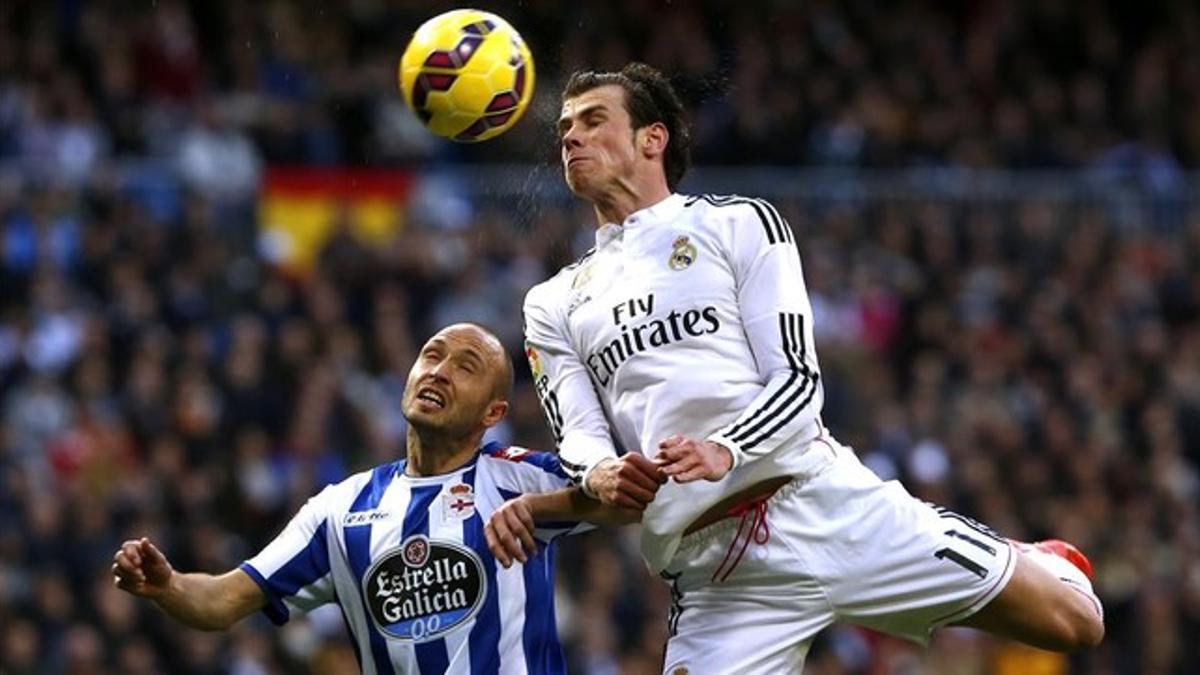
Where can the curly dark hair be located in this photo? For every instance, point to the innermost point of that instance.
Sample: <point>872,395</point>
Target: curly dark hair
<point>649,98</point>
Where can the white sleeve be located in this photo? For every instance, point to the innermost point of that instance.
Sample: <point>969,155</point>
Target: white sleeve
<point>777,318</point>
<point>293,571</point>
<point>568,398</point>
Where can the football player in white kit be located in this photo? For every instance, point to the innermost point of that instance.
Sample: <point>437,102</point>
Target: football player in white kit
<point>685,335</point>
<point>402,548</point>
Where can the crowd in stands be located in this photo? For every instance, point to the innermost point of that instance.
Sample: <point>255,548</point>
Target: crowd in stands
<point>1034,363</point>
<point>863,83</point>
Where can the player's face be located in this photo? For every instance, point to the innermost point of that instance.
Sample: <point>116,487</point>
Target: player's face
<point>597,140</point>
<point>452,384</point>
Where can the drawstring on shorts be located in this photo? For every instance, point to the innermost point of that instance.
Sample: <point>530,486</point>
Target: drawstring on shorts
<point>752,527</point>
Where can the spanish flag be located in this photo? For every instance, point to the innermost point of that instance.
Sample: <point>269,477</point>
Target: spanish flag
<point>298,209</point>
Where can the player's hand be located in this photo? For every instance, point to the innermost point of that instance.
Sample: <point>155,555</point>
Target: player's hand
<point>140,568</point>
<point>687,460</point>
<point>628,482</point>
<point>509,532</point>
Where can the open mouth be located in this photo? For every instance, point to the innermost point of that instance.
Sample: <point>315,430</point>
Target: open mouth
<point>431,397</point>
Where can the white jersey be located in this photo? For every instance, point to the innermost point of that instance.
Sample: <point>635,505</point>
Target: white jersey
<point>406,559</point>
<point>690,317</point>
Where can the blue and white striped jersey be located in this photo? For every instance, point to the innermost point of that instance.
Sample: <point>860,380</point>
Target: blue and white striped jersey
<point>406,560</point>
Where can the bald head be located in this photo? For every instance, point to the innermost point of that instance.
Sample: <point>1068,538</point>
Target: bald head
<point>460,382</point>
<point>457,389</point>
<point>491,351</point>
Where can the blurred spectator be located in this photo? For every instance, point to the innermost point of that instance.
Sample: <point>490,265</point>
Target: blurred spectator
<point>217,160</point>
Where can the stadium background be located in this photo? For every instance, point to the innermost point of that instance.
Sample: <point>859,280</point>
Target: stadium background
<point>222,237</point>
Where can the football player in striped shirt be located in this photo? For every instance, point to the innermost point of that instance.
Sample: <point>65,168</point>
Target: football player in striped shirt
<point>401,548</point>
<point>685,336</point>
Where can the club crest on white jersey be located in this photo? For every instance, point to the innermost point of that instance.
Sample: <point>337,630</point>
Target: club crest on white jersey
<point>683,253</point>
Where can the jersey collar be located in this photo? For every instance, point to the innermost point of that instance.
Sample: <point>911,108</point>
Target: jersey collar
<point>403,465</point>
<point>660,212</point>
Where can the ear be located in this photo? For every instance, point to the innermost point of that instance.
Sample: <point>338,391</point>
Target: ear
<point>496,411</point>
<point>652,140</point>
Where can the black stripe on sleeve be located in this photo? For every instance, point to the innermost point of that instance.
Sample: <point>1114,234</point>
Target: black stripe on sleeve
<point>549,401</point>
<point>975,525</point>
<point>738,428</point>
<point>795,325</point>
<point>774,235</point>
<point>574,471</point>
<point>774,226</point>
<point>777,411</point>
<point>784,228</point>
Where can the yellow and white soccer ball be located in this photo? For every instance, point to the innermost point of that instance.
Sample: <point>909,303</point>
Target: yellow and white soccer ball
<point>467,74</point>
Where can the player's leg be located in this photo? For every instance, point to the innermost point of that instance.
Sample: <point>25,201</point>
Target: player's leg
<point>725,631</point>
<point>741,601</point>
<point>899,565</point>
<point>1048,603</point>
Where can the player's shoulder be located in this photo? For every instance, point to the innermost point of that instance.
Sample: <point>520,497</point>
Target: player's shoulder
<point>344,495</point>
<point>713,201</point>
<point>745,214</point>
<point>547,293</point>
<point>501,457</point>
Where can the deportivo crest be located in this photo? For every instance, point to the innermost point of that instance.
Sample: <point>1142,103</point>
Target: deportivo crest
<point>459,501</point>
<point>683,253</point>
<point>424,589</point>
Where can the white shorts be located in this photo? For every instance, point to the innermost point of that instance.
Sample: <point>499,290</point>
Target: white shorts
<point>750,593</point>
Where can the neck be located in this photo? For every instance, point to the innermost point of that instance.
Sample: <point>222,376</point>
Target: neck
<point>627,198</point>
<point>431,453</point>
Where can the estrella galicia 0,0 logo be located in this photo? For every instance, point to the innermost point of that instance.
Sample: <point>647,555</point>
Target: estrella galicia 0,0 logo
<point>424,589</point>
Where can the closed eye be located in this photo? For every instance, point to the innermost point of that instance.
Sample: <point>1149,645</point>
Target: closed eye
<point>591,117</point>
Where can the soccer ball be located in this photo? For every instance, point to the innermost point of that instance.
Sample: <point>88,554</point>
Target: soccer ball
<point>467,74</point>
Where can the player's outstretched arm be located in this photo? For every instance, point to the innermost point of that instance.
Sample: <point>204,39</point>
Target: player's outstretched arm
<point>202,601</point>
<point>510,530</point>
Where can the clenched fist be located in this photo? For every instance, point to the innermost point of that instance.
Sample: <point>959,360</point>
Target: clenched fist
<point>628,482</point>
<point>140,568</point>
